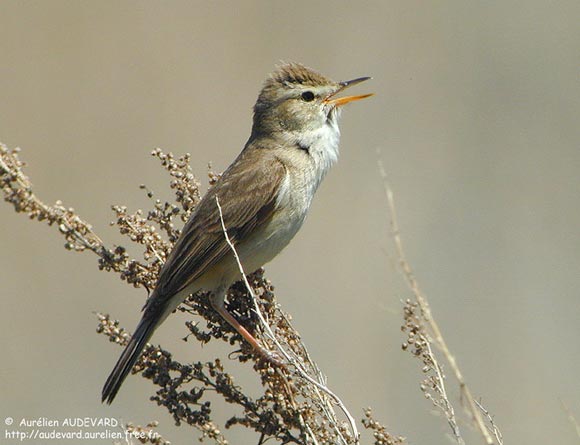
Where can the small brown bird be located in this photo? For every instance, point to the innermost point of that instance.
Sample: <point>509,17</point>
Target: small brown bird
<point>264,195</point>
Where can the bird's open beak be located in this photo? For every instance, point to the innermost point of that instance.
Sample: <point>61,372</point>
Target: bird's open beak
<point>339,101</point>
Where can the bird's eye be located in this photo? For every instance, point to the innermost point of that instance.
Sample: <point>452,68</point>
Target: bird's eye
<point>308,96</point>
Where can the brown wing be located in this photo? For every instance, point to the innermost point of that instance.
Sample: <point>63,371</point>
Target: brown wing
<point>247,195</point>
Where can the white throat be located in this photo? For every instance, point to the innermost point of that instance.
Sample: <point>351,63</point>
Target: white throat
<point>322,145</point>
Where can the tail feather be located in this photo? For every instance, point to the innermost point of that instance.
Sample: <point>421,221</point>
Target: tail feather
<point>129,357</point>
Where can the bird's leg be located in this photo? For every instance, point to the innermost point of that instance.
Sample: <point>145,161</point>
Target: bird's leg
<point>217,302</point>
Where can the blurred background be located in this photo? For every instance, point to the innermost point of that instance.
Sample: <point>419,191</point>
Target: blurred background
<point>476,116</point>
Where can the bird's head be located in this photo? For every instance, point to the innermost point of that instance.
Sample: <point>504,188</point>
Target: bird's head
<point>295,98</point>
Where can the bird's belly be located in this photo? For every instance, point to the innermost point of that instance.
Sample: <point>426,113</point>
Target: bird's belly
<point>262,246</point>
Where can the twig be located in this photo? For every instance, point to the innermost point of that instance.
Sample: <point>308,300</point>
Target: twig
<point>571,418</point>
<point>17,190</point>
<point>492,426</point>
<point>413,284</point>
<point>299,370</point>
<point>448,407</point>
<point>303,402</point>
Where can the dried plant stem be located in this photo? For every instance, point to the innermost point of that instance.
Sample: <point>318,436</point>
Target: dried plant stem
<point>79,235</point>
<point>571,418</point>
<point>299,369</point>
<point>447,406</point>
<point>298,399</point>
<point>88,239</point>
<point>413,284</point>
<point>492,426</point>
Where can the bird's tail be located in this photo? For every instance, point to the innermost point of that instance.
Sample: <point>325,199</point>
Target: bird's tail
<point>130,355</point>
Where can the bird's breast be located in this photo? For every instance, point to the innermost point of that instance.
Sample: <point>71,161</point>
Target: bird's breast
<point>305,170</point>
<point>292,203</point>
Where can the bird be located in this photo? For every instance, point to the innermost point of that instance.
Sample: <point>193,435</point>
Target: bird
<point>263,196</point>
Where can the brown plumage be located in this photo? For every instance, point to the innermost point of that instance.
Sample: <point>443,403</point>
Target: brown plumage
<point>264,195</point>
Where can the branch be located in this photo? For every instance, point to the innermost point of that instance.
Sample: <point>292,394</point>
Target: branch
<point>295,407</point>
<point>17,190</point>
<point>571,418</point>
<point>419,337</point>
<point>294,359</point>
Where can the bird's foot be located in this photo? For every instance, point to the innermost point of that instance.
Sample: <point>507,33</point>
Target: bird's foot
<point>273,357</point>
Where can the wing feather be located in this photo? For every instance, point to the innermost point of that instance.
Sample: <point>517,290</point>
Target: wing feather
<point>247,193</point>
